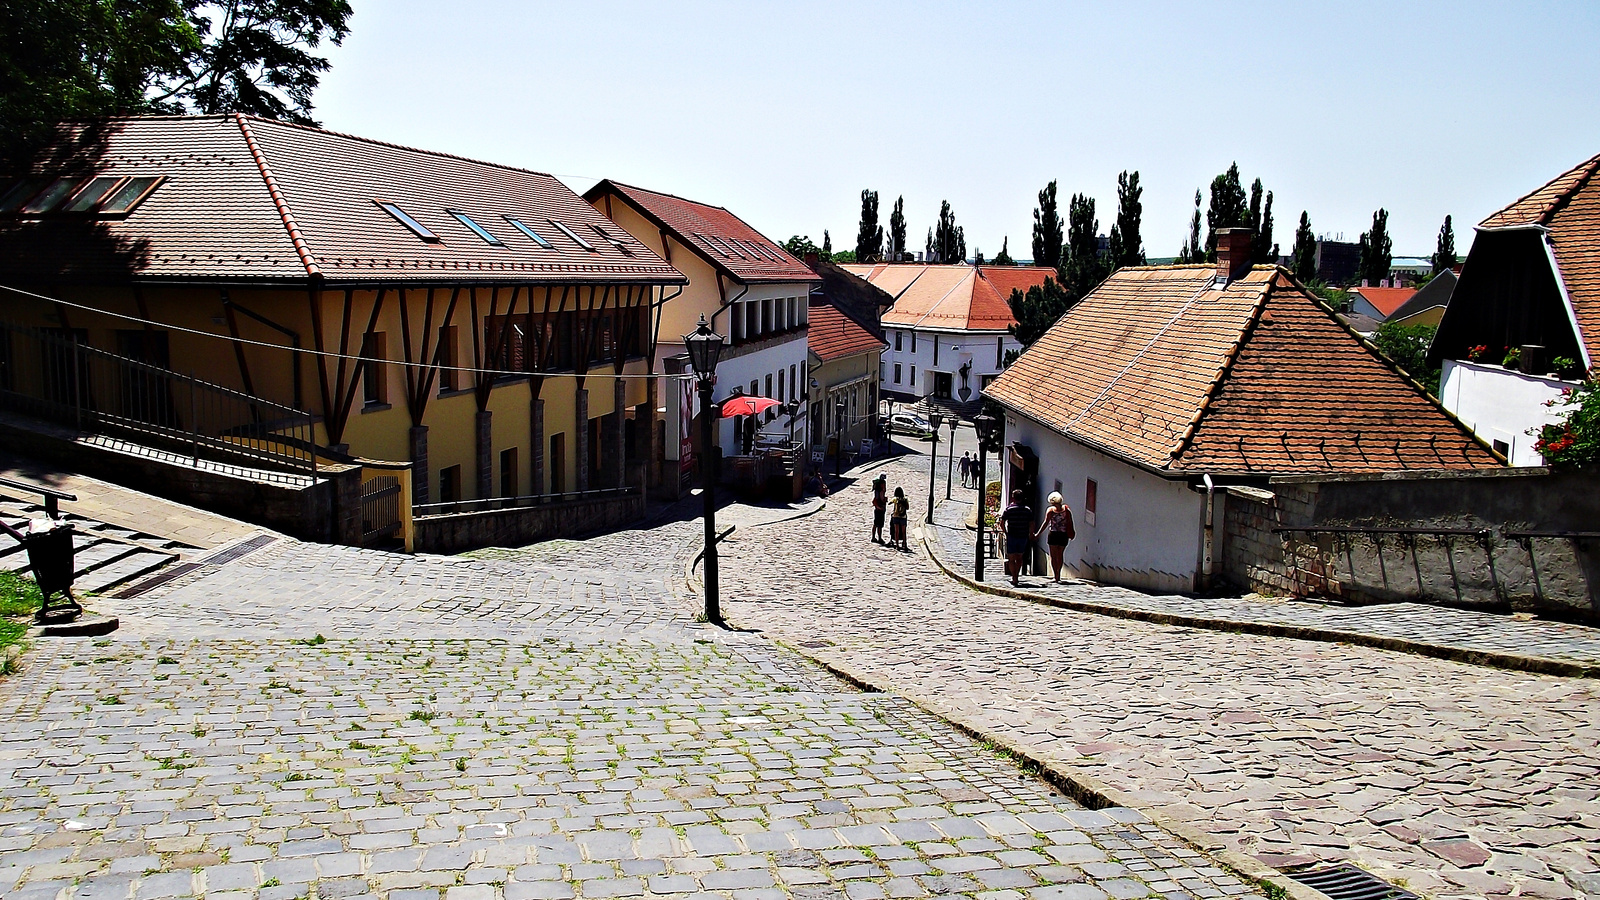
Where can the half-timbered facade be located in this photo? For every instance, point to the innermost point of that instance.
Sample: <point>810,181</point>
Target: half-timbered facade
<point>477,320</point>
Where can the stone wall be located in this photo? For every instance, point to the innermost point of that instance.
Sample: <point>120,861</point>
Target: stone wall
<point>517,526</point>
<point>1455,539</point>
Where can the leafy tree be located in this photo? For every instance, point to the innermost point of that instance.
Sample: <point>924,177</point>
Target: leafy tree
<point>1227,209</point>
<point>1408,346</point>
<point>1376,250</point>
<point>869,237</point>
<point>257,58</point>
<point>1192,252</point>
<point>799,245</point>
<point>949,241</point>
<point>827,245</point>
<point>1047,229</point>
<point>1262,249</point>
<point>1305,250</point>
<point>1127,247</point>
<point>927,253</point>
<point>1084,268</point>
<point>897,230</point>
<point>1445,256</point>
<point>1003,258</point>
<point>1575,440</point>
<point>845,256</point>
<point>1037,310</point>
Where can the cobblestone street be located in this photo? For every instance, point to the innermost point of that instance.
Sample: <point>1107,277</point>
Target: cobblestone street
<point>1453,779</point>
<point>540,724</point>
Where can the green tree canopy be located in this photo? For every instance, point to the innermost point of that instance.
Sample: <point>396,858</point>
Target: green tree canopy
<point>1305,250</point>
<point>1037,310</point>
<point>869,237</point>
<point>800,245</point>
<point>1083,268</point>
<point>897,230</point>
<point>1262,249</point>
<point>1192,252</point>
<point>1377,250</point>
<point>1003,258</point>
<point>1575,440</point>
<point>827,245</point>
<point>1047,232</point>
<point>1444,256</point>
<point>949,240</point>
<point>1127,246</point>
<point>1227,209</point>
<point>1408,346</point>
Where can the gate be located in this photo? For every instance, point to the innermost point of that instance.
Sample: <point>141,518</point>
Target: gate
<point>385,503</point>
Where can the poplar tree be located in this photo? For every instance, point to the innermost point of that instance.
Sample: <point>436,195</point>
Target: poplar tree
<point>897,230</point>
<point>1262,250</point>
<point>827,245</point>
<point>1127,247</point>
<point>1445,256</point>
<point>1047,236</point>
<point>1192,252</point>
<point>1003,258</point>
<point>1084,268</point>
<point>1227,209</point>
<point>1305,250</point>
<point>1376,250</point>
<point>949,241</point>
<point>869,237</point>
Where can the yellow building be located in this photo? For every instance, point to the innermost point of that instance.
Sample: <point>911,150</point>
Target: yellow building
<point>479,321</point>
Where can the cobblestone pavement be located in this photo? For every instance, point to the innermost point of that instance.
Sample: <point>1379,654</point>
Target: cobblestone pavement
<point>1455,629</point>
<point>537,724</point>
<point>1458,780</point>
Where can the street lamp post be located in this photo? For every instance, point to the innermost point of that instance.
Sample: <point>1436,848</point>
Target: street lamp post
<point>704,347</point>
<point>838,424</point>
<point>950,466</point>
<point>933,461</point>
<point>984,426</point>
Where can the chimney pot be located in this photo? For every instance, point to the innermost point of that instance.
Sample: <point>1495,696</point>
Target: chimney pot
<point>1233,253</point>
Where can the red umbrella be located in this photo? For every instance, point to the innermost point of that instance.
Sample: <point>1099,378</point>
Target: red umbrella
<point>746,406</point>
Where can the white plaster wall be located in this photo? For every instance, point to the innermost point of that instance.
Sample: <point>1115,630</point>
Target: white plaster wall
<point>1147,529</point>
<point>955,348</point>
<point>739,371</point>
<point>1501,405</point>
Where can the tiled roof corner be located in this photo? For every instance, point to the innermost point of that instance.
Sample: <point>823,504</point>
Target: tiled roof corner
<point>1537,206</point>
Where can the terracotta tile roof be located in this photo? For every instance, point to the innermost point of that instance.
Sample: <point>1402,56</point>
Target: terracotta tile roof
<point>252,199</point>
<point>959,297</point>
<point>1159,367</point>
<point>831,334</point>
<point>717,235</point>
<point>1386,300</point>
<point>1569,207</point>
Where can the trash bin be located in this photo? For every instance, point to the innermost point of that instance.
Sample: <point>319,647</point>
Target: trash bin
<point>50,559</point>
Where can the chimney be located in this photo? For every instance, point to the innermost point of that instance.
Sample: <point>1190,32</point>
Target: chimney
<point>1233,253</point>
<point>812,259</point>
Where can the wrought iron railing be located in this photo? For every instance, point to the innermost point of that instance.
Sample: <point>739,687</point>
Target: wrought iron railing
<point>135,406</point>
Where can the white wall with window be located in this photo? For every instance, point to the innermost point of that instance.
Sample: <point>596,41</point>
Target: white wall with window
<point>924,361</point>
<point>1502,406</point>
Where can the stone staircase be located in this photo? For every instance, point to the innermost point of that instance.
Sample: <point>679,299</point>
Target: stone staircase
<point>104,555</point>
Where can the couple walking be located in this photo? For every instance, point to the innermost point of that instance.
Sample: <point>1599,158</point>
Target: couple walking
<point>970,476</point>
<point>1017,521</point>
<point>898,506</point>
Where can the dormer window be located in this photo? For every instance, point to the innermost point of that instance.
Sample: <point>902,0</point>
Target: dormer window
<point>476,229</point>
<point>400,215</point>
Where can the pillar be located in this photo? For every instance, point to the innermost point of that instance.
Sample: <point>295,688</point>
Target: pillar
<point>420,473</point>
<point>614,452</point>
<point>580,442</point>
<point>485,455</point>
<point>536,447</point>
<point>644,417</point>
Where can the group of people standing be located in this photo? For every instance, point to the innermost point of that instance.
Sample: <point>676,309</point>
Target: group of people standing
<point>896,508</point>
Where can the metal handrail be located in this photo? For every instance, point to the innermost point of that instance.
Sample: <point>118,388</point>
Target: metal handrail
<point>51,496</point>
<point>1362,529</point>
<point>487,504</point>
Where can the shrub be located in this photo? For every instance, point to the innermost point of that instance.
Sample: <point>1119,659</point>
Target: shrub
<point>1574,441</point>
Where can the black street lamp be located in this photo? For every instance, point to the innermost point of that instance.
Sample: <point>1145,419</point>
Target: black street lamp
<point>839,425</point>
<point>704,347</point>
<point>950,466</point>
<point>985,427</point>
<point>933,460</point>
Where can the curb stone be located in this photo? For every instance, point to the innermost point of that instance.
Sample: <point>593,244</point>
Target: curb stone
<point>1538,665</point>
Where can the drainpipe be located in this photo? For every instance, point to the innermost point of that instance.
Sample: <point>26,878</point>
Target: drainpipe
<point>1208,543</point>
<point>724,308</point>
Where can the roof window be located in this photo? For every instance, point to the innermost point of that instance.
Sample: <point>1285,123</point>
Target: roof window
<point>523,227</point>
<point>710,243</point>
<point>19,192</point>
<point>617,242</point>
<point>477,229</point>
<point>51,197</point>
<point>417,228</point>
<point>129,194</point>
<point>574,235</point>
<point>91,194</point>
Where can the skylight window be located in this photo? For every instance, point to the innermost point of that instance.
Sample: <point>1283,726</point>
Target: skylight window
<point>615,241</point>
<point>91,195</point>
<point>730,249</point>
<point>712,244</point>
<point>51,197</point>
<point>18,193</point>
<point>523,227</point>
<point>129,194</point>
<point>417,228</point>
<point>477,229</point>
<point>574,235</point>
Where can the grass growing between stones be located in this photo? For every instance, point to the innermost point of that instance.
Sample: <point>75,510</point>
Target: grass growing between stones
<point>19,599</point>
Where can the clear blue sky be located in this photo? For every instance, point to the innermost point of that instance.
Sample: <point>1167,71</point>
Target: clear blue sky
<point>784,112</point>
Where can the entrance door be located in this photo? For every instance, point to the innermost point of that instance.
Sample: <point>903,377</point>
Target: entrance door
<point>941,385</point>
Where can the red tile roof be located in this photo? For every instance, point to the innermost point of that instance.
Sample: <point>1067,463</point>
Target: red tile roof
<point>832,335</point>
<point>1159,367</point>
<point>1385,299</point>
<point>958,297</point>
<point>1569,207</point>
<point>253,199</point>
<point>719,237</point>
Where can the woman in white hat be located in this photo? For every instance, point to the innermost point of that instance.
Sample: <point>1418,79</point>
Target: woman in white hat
<point>1058,522</point>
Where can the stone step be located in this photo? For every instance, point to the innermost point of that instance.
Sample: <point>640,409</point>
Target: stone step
<point>122,570</point>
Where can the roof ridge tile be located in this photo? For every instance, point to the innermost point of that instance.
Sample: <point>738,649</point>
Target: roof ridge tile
<point>278,200</point>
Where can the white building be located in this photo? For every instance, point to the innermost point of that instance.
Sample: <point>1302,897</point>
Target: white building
<point>1523,323</point>
<point>751,291</point>
<point>947,331</point>
<point>1168,382</point>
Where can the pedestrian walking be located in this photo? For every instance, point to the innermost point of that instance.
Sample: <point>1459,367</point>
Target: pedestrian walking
<point>966,469</point>
<point>1017,521</point>
<point>1058,522</point>
<point>898,510</point>
<point>880,506</point>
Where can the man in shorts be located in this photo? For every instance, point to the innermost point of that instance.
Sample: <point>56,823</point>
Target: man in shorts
<point>1017,522</point>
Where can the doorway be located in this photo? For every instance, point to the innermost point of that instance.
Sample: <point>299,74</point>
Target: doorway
<point>942,385</point>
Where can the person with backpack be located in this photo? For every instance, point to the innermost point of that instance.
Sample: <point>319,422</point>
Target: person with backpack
<point>1058,522</point>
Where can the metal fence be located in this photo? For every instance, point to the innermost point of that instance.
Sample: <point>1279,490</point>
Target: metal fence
<point>136,406</point>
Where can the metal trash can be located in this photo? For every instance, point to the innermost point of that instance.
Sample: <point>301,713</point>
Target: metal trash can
<point>50,558</point>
